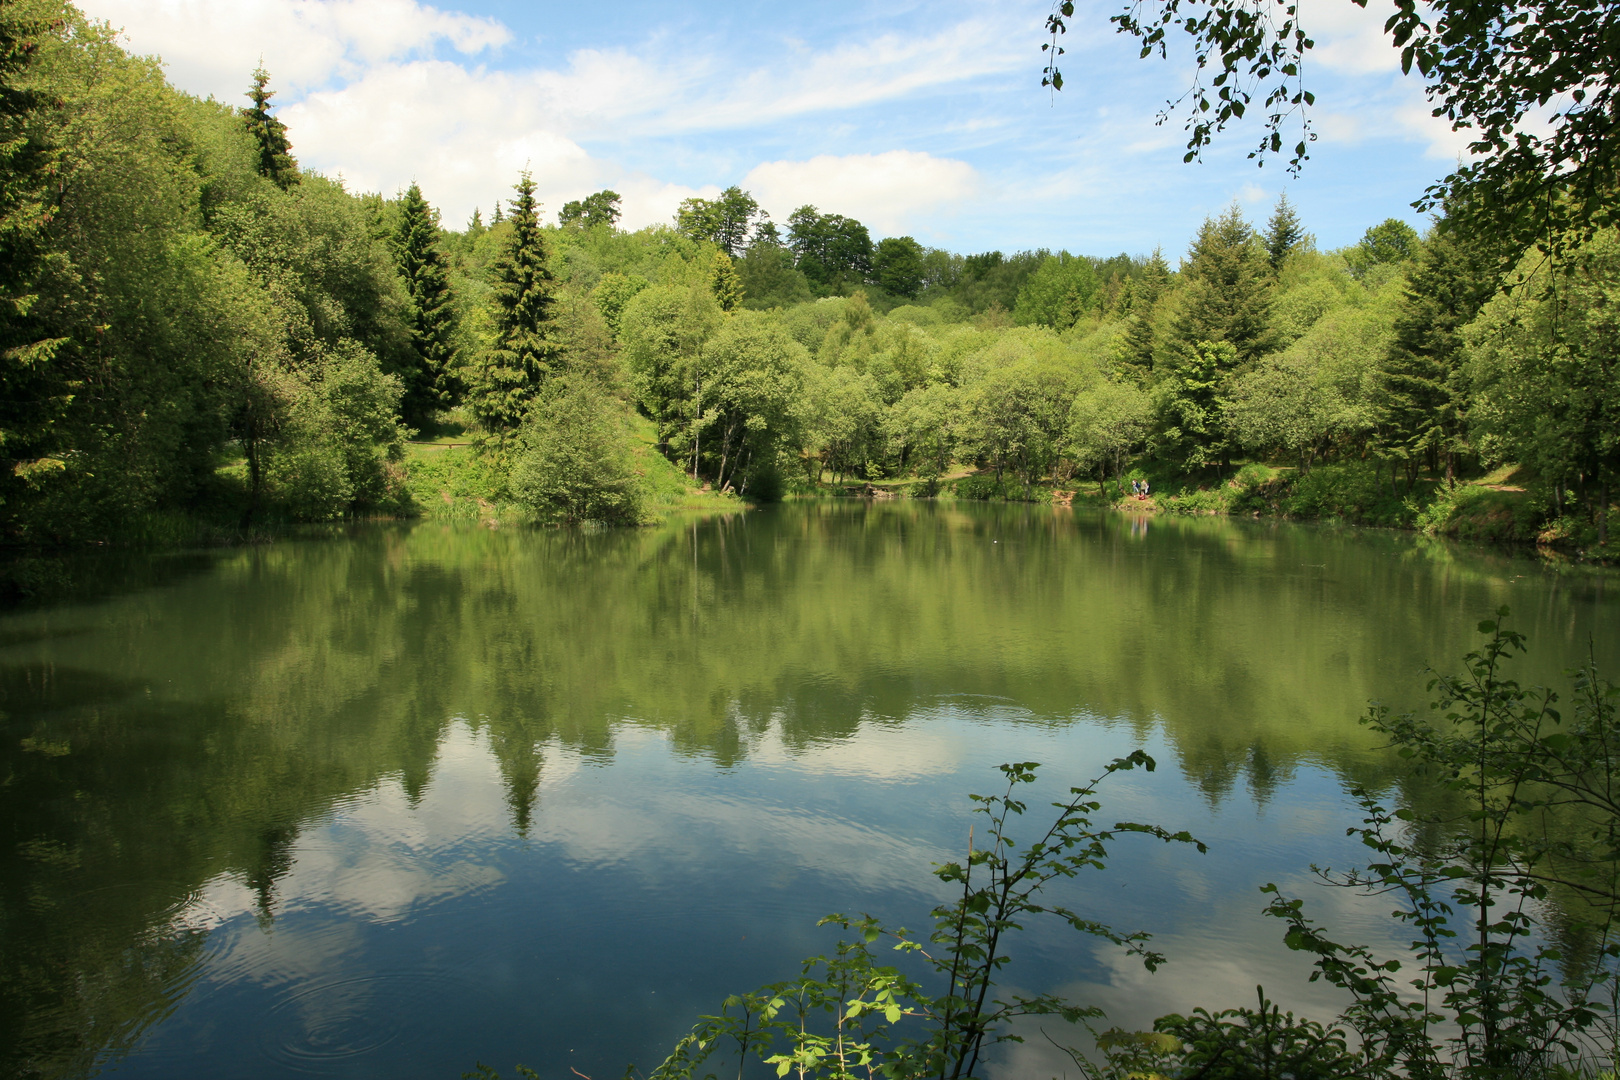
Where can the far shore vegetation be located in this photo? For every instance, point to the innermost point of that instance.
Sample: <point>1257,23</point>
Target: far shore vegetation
<point>204,341</point>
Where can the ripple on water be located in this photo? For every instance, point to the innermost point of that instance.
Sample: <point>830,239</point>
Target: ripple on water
<point>322,1025</point>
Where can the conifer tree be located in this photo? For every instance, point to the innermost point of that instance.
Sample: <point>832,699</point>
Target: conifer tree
<point>1284,234</point>
<point>33,390</point>
<point>275,151</point>
<point>723,280</point>
<point>1423,392</point>
<point>525,350</point>
<point>1228,290</point>
<point>429,385</point>
<point>1140,339</point>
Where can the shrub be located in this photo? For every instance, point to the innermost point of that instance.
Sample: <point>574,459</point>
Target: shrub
<point>576,463</point>
<point>1356,491</point>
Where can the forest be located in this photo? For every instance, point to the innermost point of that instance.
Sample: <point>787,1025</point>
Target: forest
<point>200,337</point>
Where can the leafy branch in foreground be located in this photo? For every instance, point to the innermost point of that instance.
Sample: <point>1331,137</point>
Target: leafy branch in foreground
<point>850,1015</point>
<point>1493,985</point>
<point>1531,82</point>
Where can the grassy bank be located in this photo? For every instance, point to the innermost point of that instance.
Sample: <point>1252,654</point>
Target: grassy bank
<point>1506,506</point>
<point>448,479</point>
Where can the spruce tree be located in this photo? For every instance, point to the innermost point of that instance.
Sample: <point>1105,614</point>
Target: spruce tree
<point>724,282</point>
<point>1228,290</point>
<point>275,151</point>
<point>1422,389</point>
<point>1140,338</point>
<point>34,391</point>
<point>428,385</point>
<point>525,350</point>
<point>1284,234</point>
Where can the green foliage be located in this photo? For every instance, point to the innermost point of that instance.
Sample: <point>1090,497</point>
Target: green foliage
<point>430,383</point>
<point>1488,69</point>
<point>1424,391</point>
<point>1543,357</point>
<point>600,210</point>
<point>1494,996</point>
<point>1390,243</point>
<point>1284,233</point>
<point>663,330</point>
<point>1058,293</point>
<point>1190,405</point>
<point>724,282</point>
<point>1476,512</point>
<point>576,463</point>
<point>509,375</point>
<point>1233,1044</point>
<point>1107,424</point>
<point>275,150</point>
<point>897,265</point>
<point>727,222</point>
<point>769,278</point>
<point>1353,491</point>
<point>35,391</point>
<point>613,292</point>
<point>1227,291</point>
<point>833,252</point>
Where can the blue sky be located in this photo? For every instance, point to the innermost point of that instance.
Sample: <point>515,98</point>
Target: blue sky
<point>925,119</point>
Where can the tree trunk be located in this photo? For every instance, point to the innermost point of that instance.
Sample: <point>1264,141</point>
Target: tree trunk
<point>1603,512</point>
<point>725,452</point>
<point>255,478</point>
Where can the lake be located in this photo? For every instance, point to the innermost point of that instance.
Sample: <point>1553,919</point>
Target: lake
<point>391,802</point>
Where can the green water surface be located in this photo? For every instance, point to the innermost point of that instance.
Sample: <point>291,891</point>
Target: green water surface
<point>389,803</point>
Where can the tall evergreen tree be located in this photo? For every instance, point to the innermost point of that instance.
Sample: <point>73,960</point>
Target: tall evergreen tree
<point>1141,338</point>
<point>275,151</point>
<point>429,383</point>
<point>1284,234</point>
<point>725,283</point>
<point>1228,290</point>
<point>1423,392</point>
<point>33,390</point>
<point>525,351</point>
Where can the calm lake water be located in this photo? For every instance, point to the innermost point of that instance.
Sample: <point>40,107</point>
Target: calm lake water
<point>388,804</point>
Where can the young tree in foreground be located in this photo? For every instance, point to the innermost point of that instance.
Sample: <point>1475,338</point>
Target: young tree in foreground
<point>511,372</point>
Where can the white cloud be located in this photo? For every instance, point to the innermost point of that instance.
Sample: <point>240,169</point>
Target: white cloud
<point>1348,38</point>
<point>367,95</point>
<point>210,47</point>
<point>892,192</point>
<point>464,135</point>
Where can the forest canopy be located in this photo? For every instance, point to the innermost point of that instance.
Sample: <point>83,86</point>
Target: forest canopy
<point>195,327</point>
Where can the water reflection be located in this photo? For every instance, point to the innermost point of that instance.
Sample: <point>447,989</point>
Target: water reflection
<point>509,788</point>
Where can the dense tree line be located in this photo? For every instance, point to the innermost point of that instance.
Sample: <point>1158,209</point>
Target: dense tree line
<point>192,325</point>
